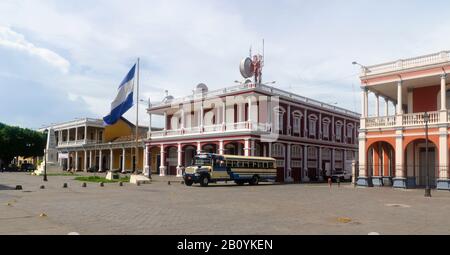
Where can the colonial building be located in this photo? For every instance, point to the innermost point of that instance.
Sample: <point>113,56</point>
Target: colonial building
<point>392,147</point>
<point>309,139</point>
<point>86,144</point>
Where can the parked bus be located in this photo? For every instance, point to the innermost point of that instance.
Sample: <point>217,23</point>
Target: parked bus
<point>211,168</point>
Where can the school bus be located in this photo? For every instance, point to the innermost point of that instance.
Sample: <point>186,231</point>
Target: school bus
<point>211,168</point>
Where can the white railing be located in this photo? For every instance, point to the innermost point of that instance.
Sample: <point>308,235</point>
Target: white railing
<point>417,119</point>
<point>436,58</point>
<point>411,119</point>
<point>388,121</point>
<point>212,128</point>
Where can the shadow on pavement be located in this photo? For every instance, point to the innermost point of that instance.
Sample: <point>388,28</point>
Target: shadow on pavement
<point>3,187</point>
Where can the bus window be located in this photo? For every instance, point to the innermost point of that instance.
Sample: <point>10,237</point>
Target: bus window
<point>260,165</point>
<point>245,164</point>
<point>229,163</point>
<point>265,165</point>
<point>270,164</point>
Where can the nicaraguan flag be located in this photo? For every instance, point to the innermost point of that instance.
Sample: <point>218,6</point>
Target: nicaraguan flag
<point>124,99</point>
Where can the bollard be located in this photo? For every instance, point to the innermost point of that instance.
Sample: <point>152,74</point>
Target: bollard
<point>42,187</point>
<point>65,185</point>
<point>138,183</point>
<point>168,183</point>
<point>102,184</point>
<point>18,187</point>
<point>182,182</point>
<point>120,184</point>
<point>84,185</point>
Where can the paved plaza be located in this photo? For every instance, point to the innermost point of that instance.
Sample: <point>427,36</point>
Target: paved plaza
<point>159,208</point>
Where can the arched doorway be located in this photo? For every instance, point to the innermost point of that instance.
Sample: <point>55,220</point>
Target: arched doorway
<point>172,160</point>
<point>189,152</point>
<point>209,148</point>
<point>234,148</point>
<point>416,163</point>
<point>381,163</point>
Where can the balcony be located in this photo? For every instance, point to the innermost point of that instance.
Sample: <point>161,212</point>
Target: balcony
<point>76,143</point>
<point>211,129</point>
<point>404,64</point>
<point>408,120</point>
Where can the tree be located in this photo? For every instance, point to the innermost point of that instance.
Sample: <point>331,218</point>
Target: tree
<point>16,141</point>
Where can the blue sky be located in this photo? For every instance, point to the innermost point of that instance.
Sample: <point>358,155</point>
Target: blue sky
<point>61,60</point>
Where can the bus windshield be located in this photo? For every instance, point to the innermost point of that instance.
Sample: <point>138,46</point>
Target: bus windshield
<point>201,160</point>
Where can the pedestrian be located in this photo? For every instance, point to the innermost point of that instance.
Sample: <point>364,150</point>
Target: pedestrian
<point>330,182</point>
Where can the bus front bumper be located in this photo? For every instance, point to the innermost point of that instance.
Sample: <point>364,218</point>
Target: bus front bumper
<point>191,177</point>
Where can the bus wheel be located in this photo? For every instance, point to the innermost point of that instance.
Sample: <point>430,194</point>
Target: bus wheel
<point>189,183</point>
<point>204,181</point>
<point>254,180</point>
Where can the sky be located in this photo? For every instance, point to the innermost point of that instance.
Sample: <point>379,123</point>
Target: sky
<point>61,60</point>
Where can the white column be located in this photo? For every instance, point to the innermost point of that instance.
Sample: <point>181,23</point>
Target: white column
<point>85,161</point>
<point>111,159</point>
<point>252,148</point>
<point>377,105</point>
<point>68,136</point>
<point>180,163</point>
<point>124,157</point>
<point>305,164</point>
<point>443,153</point>
<point>410,100</point>
<point>76,160</point>
<point>366,102</point>
<point>162,168</point>
<point>85,134</point>
<point>399,98</point>
<point>320,126</point>
<point>288,170</point>
<point>443,116</point>
<point>182,118</point>
<point>249,109</point>
<point>146,161</point>
<point>224,115</point>
<point>100,161</point>
<point>165,121</point>
<point>76,134</point>
<point>247,147</point>
<point>221,148</point>
<point>270,150</point>
<point>362,155</point>
<point>386,106</point>
<point>90,158</point>
<point>444,92</point>
<point>202,114</point>
<point>199,148</point>
<point>399,156</point>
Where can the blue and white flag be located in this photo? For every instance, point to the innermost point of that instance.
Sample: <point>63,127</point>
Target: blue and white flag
<point>124,99</point>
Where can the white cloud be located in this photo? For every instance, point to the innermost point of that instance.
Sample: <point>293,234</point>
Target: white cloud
<point>13,40</point>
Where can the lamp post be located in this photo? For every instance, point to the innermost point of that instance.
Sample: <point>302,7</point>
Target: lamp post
<point>45,158</point>
<point>426,118</point>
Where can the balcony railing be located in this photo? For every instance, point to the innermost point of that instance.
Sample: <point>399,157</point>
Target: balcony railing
<point>412,119</point>
<point>388,121</point>
<point>239,126</point>
<point>77,142</point>
<point>402,64</point>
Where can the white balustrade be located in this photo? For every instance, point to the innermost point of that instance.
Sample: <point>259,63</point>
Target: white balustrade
<point>412,119</point>
<point>436,58</point>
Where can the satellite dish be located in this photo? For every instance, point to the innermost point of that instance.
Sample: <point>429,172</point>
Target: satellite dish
<point>246,67</point>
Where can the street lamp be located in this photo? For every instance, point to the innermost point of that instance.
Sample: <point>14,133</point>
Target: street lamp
<point>426,118</point>
<point>366,70</point>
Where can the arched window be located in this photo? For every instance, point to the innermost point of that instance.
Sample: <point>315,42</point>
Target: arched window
<point>312,153</point>
<point>350,131</point>
<point>277,150</point>
<point>279,118</point>
<point>296,151</point>
<point>296,120</point>
<point>326,127</point>
<point>338,130</point>
<point>312,125</point>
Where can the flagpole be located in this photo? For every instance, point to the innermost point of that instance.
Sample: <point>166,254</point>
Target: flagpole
<point>136,151</point>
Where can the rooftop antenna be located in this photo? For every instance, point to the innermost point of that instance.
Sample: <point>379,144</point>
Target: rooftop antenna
<point>250,52</point>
